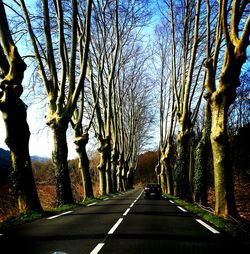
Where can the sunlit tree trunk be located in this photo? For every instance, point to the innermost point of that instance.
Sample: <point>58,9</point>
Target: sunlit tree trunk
<point>60,163</point>
<point>223,95</point>
<point>166,162</point>
<point>14,115</point>
<point>81,140</point>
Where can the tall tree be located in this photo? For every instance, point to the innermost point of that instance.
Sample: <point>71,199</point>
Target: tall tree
<point>14,113</point>
<point>57,53</point>
<point>115,22</point>
<point>167,107</point>
<point>235,28</point>
<point>185,91</point>
<point>81,134</point>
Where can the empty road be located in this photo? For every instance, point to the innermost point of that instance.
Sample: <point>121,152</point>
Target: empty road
<point>127,223</point>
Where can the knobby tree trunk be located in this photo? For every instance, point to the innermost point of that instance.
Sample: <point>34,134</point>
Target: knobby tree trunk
<point>14,115</point>
<point>104,151</point>
<point>181,169</point>
<point>202,153</point>
<point>114,166</point>
<point>230,22</point>
<point>65,43</point>
<point>163,179</point>
<point>60,163</point>
<point>166,163</point>
<point>119,172</point>
<point>17,139</point>
<point>223,178</point>
<point>80,142</point>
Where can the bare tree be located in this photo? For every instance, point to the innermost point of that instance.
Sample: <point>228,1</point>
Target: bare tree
<point>114,23</point>
<point>57,54</point>
<point>81,134</point>
<point>235,28</point>
<point>167,107</point>
<point>184,88</point>
<point>14,114</point>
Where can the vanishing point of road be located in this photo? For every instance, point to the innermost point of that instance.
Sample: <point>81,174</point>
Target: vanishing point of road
<point>125,224</point>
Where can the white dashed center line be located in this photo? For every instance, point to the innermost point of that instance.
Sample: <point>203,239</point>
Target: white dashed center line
<point>97,248</point>
<point>112,230</point>
<point>126,212</point>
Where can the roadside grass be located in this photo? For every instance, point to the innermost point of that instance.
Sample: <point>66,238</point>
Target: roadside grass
<point>31,216</point>
<point>236,228</point>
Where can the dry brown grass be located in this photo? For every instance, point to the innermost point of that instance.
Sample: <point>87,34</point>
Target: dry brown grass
<point>47,195</point>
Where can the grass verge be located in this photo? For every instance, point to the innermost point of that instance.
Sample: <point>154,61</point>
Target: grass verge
<point>229,226</point>
<point>31,216</point>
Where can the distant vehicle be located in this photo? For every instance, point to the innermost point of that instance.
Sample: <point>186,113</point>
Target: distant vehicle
<point>152,190</point>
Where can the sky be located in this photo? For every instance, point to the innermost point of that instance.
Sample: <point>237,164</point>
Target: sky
<point>41,142</point>
<point>40,139</point>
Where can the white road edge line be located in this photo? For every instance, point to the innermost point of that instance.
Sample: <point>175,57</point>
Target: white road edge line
<point>183,210</point>
<point>126,212</point>
<point>91,204</point>
<point>106,199</point>
<point>112,230</point>
<point>97,248</point>
<point>58,215</point>
<point>131,205</point>
<point>207,226</point>
<point>1,234</point>
<point>171,201</point>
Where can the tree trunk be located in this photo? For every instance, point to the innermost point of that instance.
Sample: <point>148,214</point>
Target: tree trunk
<point>114,164</point>
<point>119,173</point>
<point>104,167</point>
<point>182,167</point>
<point>83,163</point>
<point>17,139</point>
<point>108,173</point>
<point>202,152</point>
<point>163,180</point>
<point>60,163</point>
<point>125,170</point>
<point>130,178</point>
<point>166,163</point>
<point>223,178</point>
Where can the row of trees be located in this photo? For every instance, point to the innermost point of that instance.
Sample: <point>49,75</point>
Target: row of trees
<point>202,47</point>
<point>89,57</point>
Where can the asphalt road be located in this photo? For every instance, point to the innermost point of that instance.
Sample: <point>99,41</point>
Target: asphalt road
<point>127,223</point>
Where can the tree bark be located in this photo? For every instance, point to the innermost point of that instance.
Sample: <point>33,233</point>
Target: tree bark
<point>166,163</point>
<point>14,115</point>
<point>104,151</point>
<point>60,162</point>
<point>182,189</point>
<point>17,139</point>
<point>222,96</point>
<point>223,178</point>
<point>80,143</point>
<point>202,152</point>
